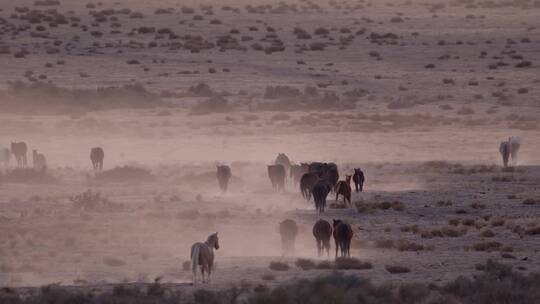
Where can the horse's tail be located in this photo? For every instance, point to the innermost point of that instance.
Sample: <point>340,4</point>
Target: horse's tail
<point>195,258</point>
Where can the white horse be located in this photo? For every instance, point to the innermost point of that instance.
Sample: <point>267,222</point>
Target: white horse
<point>514,143</point>
<point>202,254</point>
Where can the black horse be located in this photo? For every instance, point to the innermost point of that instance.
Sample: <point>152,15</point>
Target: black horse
<point>322,231</point>
<point>358,179</point>
<point>307,182</point>
<point>96,156</point>
<point>320,192</point>
<point>276,173</point>
<point>288,231</point>
<point>343,234</point>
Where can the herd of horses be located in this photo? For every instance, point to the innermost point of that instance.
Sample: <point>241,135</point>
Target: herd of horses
<point>39,161</point>
<point>316,179</point>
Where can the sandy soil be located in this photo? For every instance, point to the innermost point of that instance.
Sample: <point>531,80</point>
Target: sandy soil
<point>456,112</point>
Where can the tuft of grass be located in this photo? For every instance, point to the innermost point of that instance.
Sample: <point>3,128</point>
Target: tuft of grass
<point>351,263</point>
<point>305,264</point>
<point>268,277</point>
<point>278,266</point>
<point>397,269</point>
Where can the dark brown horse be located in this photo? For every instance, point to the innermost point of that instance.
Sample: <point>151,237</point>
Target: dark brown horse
<point>343,234</point>
<point>223,175</point>
<point>288,231</point>
<point>322,231</point>
<point>96,156</point>
<point>202,254</point>
<point>307,182</point>
<point>344,188</point>
<point>359,179</point>
<point>19,149</point>
<point>320,192</point>
<point>276,173</point>
<point>39,161</point>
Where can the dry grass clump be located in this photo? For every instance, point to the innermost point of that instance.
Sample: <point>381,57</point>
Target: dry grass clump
<point>93,201</point>
<point>363,207</point>
<point>305,264</point>
<point>351,263</point>
<point>113,262</point>
<point>28,176</point>
<point>491,246</point>
<point>404,245</point>
<point>533,231</point>
<point>531,201</point>
<point>278,266</point>
<point>47,97</point>
<point>397,269</point>
<point>125,173</point>
<point>268,277</point>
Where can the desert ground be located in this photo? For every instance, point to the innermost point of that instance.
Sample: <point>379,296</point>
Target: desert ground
<point>418,94</point>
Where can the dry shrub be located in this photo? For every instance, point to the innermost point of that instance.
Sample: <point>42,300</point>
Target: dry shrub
<point>325,265</point>
<point>268,277</point>
<point>305,264</point>
<point>384,244</point>
<point>491,246</point>
<point>531,201</point>
<point>453,221</point>
<point>487,233</point>
<point>125,173</point>
<point>278,266</point>
<point>533,231</point>
<point>497,222</point>
<point>93,201</point>
<point>113,262</point>
<point>397,269</point>
<point>28,176</point>
<point>351,263</point>
<point>404,245</point>
<point>362,206</point>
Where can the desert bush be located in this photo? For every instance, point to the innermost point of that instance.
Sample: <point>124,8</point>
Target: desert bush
<point>268,277</point>
<point>404,245</point>
<point>214,104</point>
<point>113,262</point>
<point>47,97</point>
<point>351,263</point>
<point>325,265</point>
<point>305,264</point>
<point>278,266</point>
<point>28,176</point>
<point>125,173</point>
<point>531,201</point>
<point>93,201</point>
<point>397,269</point>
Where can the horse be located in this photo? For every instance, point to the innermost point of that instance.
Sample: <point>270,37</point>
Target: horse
<point>288,231</point>
<point>358,179</point>
<point>276,173</point>
<point>39,161</point>
<point>297,171</point>
<point>96,156</point>
<point>332,177</point>
<point>19,149</point>
<point>322,231</point>
<point>283,160</point>
<point>5,155</point>
<point>514,143</point>
<point>202,254</point>
<point>328,171</point>
<point>320,192</point>
<point>343,234</point>
<point>307,182</point>
<point>504,149</point>
<point>344,188</point>
<point>223,175</point>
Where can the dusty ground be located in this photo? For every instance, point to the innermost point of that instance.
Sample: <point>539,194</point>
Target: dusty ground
<point>407,115</point>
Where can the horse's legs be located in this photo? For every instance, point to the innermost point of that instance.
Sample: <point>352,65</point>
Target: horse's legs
<point>337,246</point>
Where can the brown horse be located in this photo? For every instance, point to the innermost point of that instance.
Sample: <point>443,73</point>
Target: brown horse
<point>202,254</point>
<point>320,192</point>
<point>344,188</point>
<point>307,182</point>
<point>19,149</point>
<point>322,231</point>
<point>276,173</point>
<point>96,156</point>
<point>358,179</point>
<point>288,231</point>
<point>343,234</point>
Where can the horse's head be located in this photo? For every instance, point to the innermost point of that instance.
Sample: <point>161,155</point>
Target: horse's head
<point>213,241</point>
<point>348,179</point>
